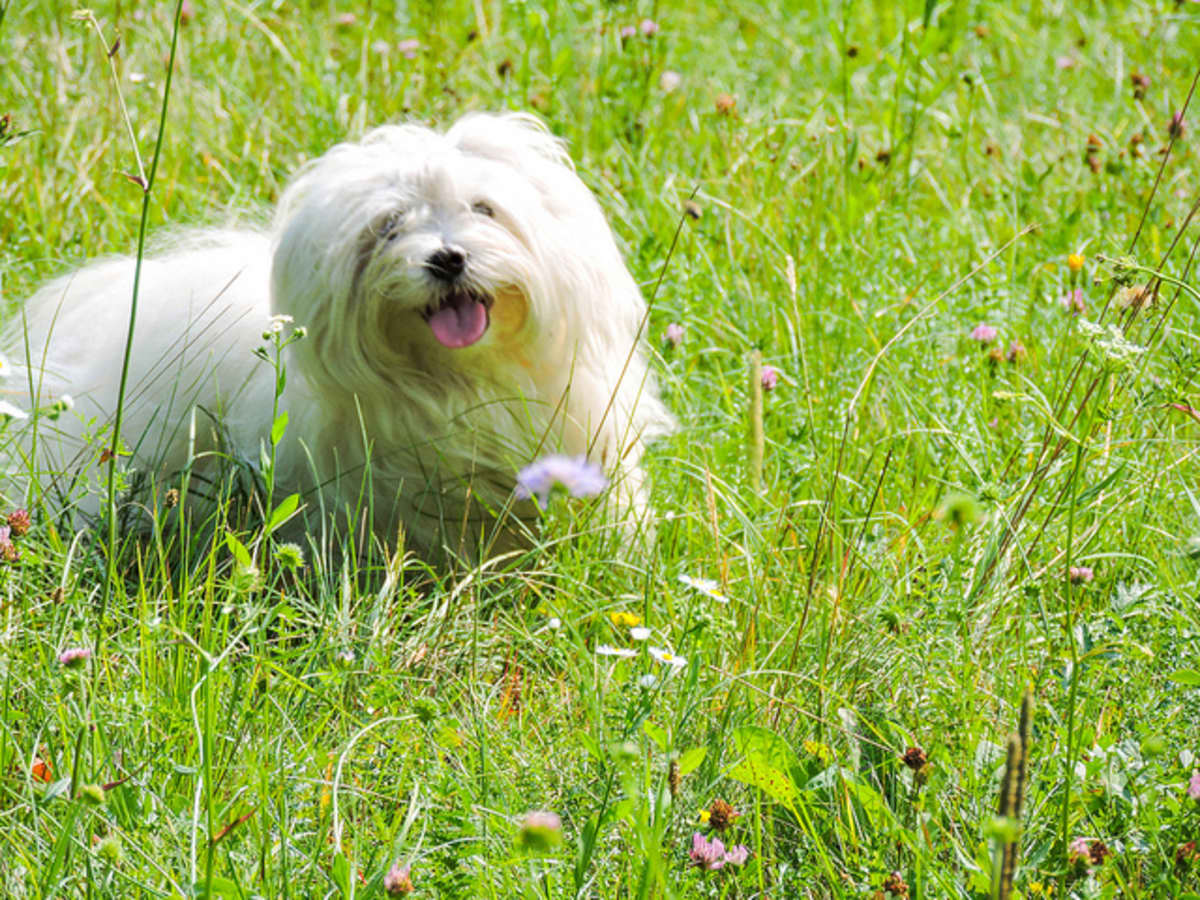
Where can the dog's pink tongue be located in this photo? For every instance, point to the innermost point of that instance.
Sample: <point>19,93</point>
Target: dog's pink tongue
<point>460,322</point>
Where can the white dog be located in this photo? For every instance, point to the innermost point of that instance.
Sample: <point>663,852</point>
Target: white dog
<point>466,308</point>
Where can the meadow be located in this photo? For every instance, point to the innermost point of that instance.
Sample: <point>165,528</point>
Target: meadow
<point>920,615</point>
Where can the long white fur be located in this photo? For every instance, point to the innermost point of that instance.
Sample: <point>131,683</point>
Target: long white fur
<point>445,430</point>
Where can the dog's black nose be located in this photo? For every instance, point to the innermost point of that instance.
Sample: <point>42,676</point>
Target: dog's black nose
<point>446,264</point>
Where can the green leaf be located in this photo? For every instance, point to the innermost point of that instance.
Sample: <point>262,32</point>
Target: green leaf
<point>340,872</point>
<point>240,554</point>
<point>656,733</point>
<point>691,760</point>
<point>279,427</point>
<point>283,512</point>
<point>773,782</point>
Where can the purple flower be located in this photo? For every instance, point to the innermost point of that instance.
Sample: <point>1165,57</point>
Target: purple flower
<point>1073,302</point>
<point>648,28</point>
<point>674,334</point>
<point>1175,129</point>
<point>1194,786</point>
<point>985,334</point>
<point>711,855</point>
<point>8,550</point>
<point>770,378</point>
<point>580,476</point>
<point>408,48</point>
<point>1080,848</point>
<point>628,31</point>
<point>74,657</point>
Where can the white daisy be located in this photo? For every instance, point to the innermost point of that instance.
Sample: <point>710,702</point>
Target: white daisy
<point>609,650</point>
<point>705,586</point>
<point>639,633</point>
<point>667,658</point>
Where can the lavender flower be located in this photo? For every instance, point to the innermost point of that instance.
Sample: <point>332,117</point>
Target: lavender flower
<point>628,31</point>
<point>985,334</point>
<point>579,476</point>
<point>1073,302</point>
<point>648,28</point>
<point>74,657</point>
<point>1193,790</point>
<point>770,378</point>
<point>711,855</point>
<point>408,48</point>
<point>1081,574</point>
<point>674,334</point>
<point>541,831</point>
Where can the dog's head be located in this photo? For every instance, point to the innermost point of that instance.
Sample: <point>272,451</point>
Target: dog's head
<point>419,254</point>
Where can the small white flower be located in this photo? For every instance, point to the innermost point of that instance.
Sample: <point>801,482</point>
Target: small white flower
<point>669,81</point>
<point>277,322</point>
<point>648,681</point>
<point>609,650</point>
<point>12,412</point>
<point>554,624</point>
<point>705,586</point>
<point>639,633</point>
<point>66,401</point>
<point>137,77</point>
<point>6,367</point>
<point>667,658</point>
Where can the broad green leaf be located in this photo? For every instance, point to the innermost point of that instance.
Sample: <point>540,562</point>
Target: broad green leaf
<point>283,512</point>
<point>774,782</point>
<point>279,427</point>
<point>240,554</point>
<point>1187,677</point>
<point>656,733</point>
<point>690,761</point>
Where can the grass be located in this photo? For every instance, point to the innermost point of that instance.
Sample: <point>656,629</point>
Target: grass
<point>886,177</point>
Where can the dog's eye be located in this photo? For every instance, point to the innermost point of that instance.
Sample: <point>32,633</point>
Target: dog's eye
<point>391,225</point>
<point>484,209</point>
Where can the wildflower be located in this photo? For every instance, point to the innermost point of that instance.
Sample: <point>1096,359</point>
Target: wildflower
<point>705,586</point>
<point>721,814</point>
<point>624,618</point>
<point>41,770</point>
<point>580,477</point>
<point>823,752</point>
<point>985,334</point>
<point>541,831</point>
<point>648,28</point>
<point>726,103</point>
<point>1193,790</point>
<point>1186,855</point>
<point>1016,352</point>
<point>1111,343</point>
<point>674,334</point>
<point>345,20</point>
<point>1075,262</point>
<point>1066,62</point>
<point>667,658</point>
<point>639,633</point>
<point>187,12</point>
<point>648,682</point>
<point>398,880</point>
<point>74,657</point>
<point>344,659</point>
<point>290,556</point>
<point>1141,84</point>
<point>711,855</point>
<point>1175,128</point>
<point>628,31</point>
<point>110,850</point>
<point>275,323</point>
<point>1079,850</point>
<point>18,522</point>
<point>609,650</point>
<point>770,378</point>
<point>915,758</point>
<point>1073,302</point>
<point>669,81</point>
<point>554,623</point>
<point>9,411</point>
<point>409,47</point>
<point>1081,574</point>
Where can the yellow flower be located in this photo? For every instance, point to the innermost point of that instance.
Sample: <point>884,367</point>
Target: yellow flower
<point>1075,262</point>
<point>704,816</point>
<point>625,618</point>
<point>819,750</point>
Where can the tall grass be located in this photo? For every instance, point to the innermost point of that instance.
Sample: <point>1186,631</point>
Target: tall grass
<point>933,525</point>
